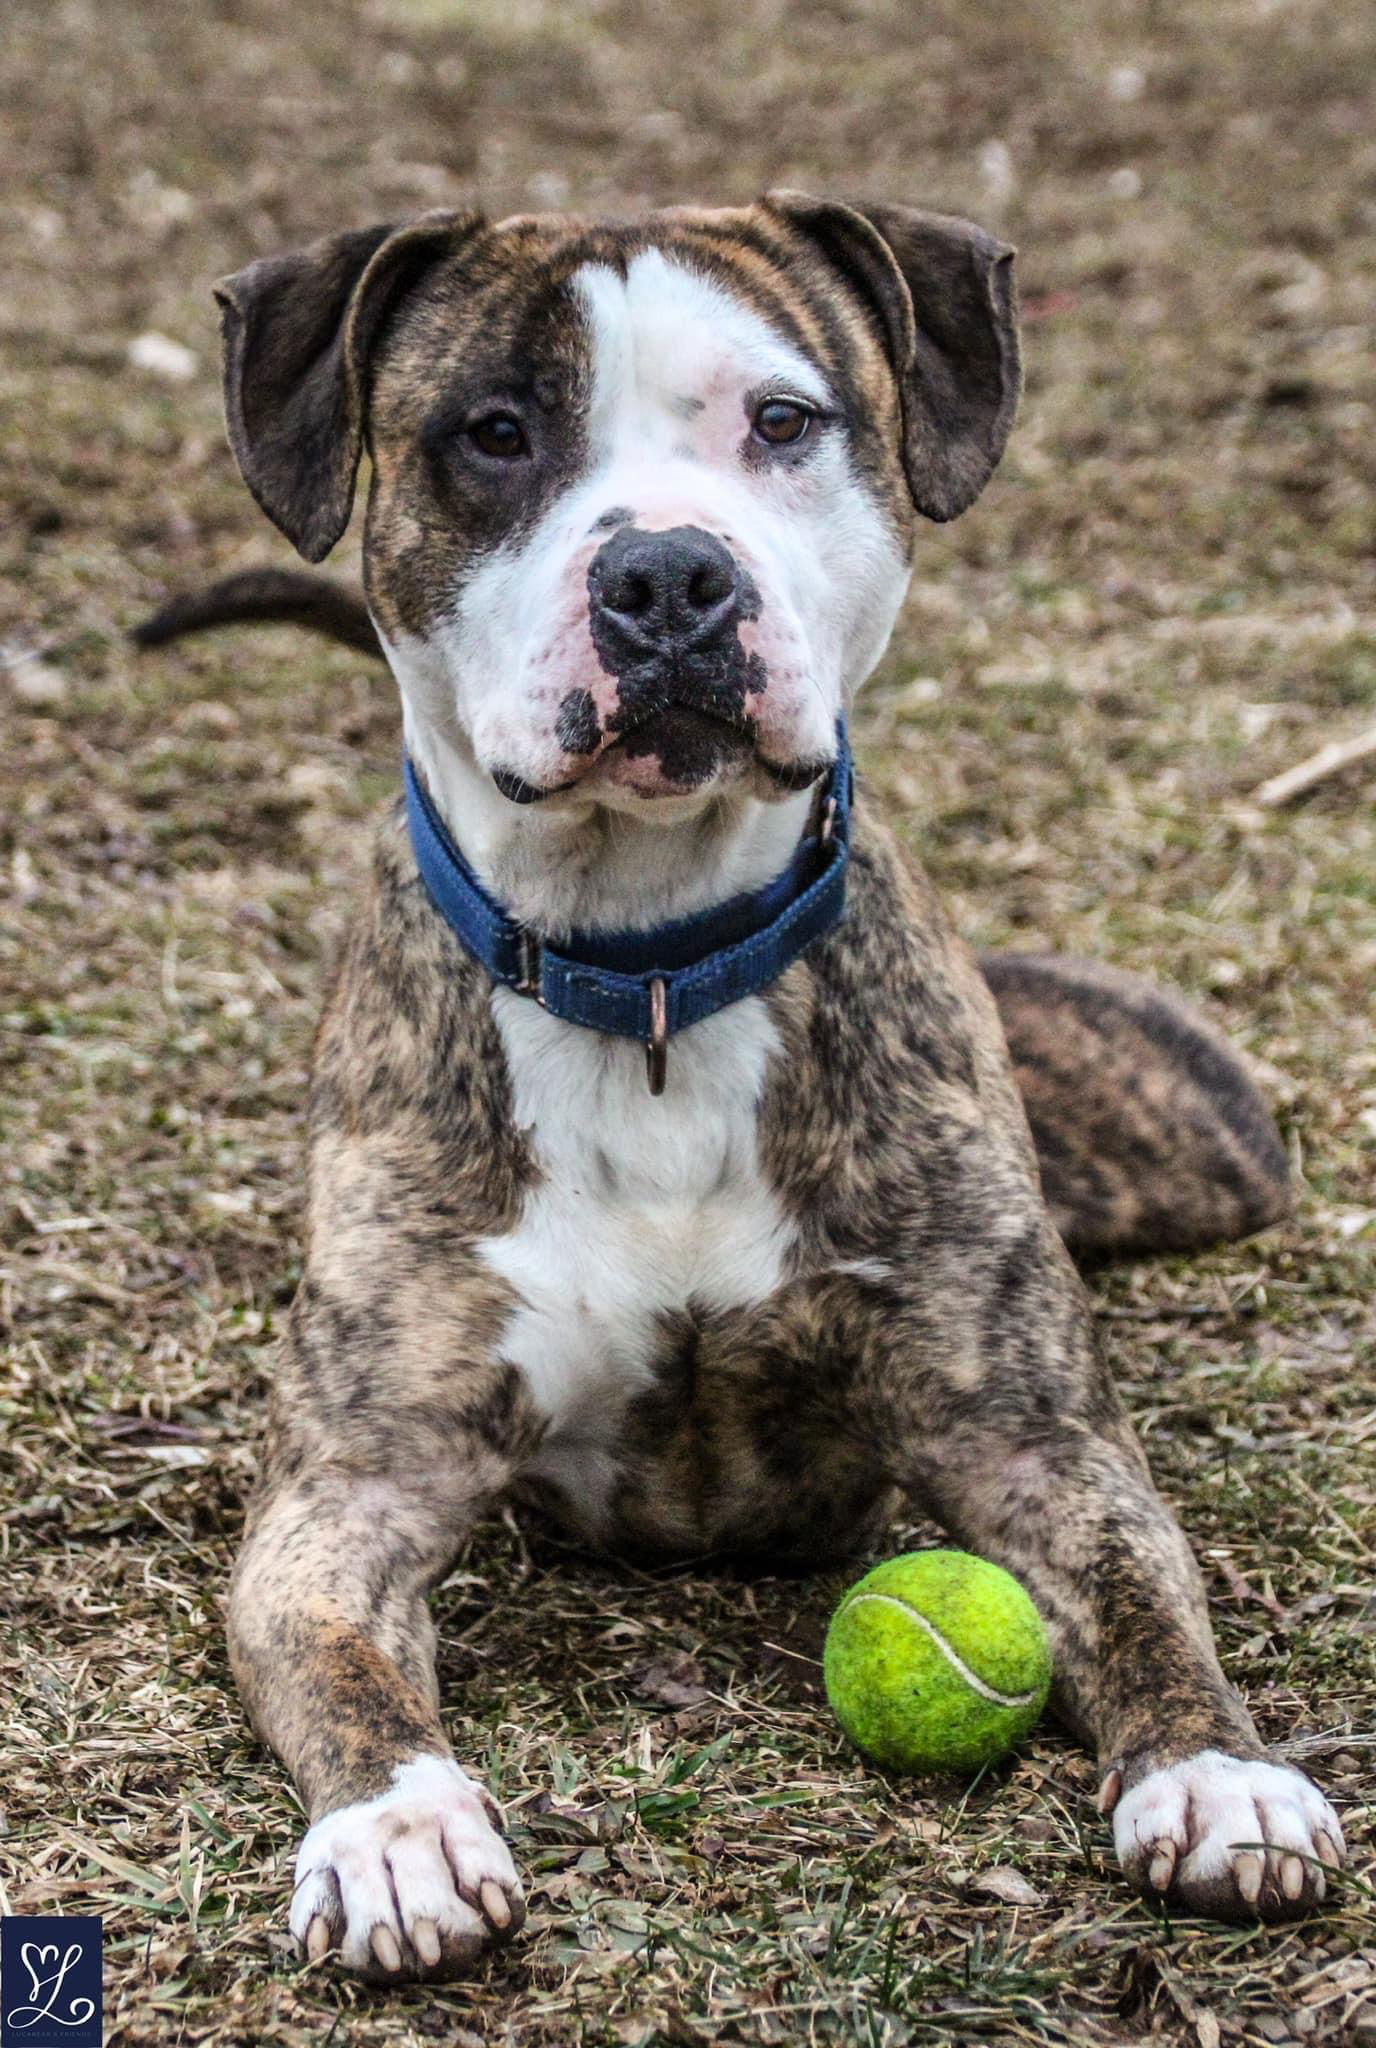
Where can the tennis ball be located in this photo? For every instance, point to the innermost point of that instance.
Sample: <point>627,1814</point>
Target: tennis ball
<point>936,1661</point>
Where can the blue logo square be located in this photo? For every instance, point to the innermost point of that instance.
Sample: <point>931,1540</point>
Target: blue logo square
<point>50,1982</point>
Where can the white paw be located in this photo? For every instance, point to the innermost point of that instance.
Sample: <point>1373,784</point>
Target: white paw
<point>413,1883</point>
<point>1183,1831</point>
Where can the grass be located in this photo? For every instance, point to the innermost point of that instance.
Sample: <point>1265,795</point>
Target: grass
<point>1166,597</point>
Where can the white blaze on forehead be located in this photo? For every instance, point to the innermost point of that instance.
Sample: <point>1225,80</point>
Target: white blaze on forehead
<point>678,360</point>
<point>665,337</point>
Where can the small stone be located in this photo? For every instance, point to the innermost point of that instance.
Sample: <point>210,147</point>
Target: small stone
<point>996,169</point>
<point>1126,82</point>
<point>33,680</point>
<point>162,357</point>
<point>206,715</point>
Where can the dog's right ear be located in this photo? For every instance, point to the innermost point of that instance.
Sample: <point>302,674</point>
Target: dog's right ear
<point>299,331</point>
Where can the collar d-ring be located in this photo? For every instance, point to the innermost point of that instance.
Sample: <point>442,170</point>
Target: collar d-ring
<point>657,1044</point>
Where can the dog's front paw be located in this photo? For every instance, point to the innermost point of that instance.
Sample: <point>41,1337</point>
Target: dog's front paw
<point>414,1883</point>
<point>1188,1832</point>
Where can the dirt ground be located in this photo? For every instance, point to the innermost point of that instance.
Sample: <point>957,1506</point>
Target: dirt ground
<point>1165,597</point>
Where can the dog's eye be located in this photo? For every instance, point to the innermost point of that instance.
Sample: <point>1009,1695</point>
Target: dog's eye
<point>780,421</point>
<point>499,434</point>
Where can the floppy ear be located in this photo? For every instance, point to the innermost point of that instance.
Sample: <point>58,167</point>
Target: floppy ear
<point>943,290</point>
<point>298,333</point>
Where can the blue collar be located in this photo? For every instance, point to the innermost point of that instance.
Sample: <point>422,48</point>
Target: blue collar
<point>649,984</point>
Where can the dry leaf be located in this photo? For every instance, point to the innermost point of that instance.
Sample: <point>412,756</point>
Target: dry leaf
<point>674,1681</point>
<point>1005,1883</point>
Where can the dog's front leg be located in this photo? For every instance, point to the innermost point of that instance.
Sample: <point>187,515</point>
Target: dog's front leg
<point>1038,1469</point>
<point>403,1868</point>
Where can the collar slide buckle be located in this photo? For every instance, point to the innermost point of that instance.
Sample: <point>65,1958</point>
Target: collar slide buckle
<point>529,983</point>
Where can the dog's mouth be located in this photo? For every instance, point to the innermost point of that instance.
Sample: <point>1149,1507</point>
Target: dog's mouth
<point>671,751</point>
<point>682,745</point>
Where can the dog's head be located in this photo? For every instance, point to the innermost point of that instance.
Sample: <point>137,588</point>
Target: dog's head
<point>642,495</point>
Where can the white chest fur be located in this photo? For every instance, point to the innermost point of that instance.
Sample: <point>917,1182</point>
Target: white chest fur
<point>645,1204</point>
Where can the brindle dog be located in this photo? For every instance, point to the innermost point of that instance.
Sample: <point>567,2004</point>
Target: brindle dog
<point>642,503</point>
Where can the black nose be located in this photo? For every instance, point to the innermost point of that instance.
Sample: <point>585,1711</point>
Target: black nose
<point>656,595</point>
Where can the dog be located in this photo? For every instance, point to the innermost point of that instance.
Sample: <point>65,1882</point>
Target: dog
<point>671,1160</point>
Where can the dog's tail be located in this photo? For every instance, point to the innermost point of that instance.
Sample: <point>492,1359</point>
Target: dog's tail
<point>266,597</point>
<point>1150,1134</point>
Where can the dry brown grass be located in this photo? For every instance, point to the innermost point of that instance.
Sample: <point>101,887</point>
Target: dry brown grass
<point>1166,597</point>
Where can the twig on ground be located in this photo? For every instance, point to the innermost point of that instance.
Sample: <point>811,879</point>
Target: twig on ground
<point>1305,775</point>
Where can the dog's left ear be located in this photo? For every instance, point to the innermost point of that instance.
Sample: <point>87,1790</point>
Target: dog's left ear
<point>943,290</point>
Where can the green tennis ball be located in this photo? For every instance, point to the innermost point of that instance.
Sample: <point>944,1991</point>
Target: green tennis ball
<point>936,1661</point>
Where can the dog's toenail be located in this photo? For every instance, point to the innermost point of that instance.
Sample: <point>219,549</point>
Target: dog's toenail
<point>385,1948</point>
<point>426,1940</point>
<point>494,1903</point>
<point>317,1938</point>
<point>1248,1872</point>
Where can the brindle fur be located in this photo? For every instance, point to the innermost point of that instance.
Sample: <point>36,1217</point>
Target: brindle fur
<point>960,1371</point>
<point>1150,1136</point>
<point>931,1337</point>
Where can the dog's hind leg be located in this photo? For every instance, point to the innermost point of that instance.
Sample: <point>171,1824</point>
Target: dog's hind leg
<point>1150,1135</point>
